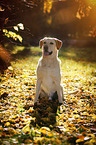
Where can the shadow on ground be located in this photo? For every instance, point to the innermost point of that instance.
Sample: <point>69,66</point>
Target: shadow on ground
<point>25,53</point>
<point>45,111</point>
<point>79,54</point>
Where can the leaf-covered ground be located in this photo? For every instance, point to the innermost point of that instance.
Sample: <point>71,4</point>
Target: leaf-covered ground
<point>74,122</point>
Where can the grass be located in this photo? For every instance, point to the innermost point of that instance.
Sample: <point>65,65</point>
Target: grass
<point>69,124</point>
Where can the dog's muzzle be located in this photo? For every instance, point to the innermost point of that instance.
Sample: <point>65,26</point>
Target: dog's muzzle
<point>46,52</point>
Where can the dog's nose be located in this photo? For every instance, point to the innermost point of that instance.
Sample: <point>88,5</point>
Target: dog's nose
<point>46,48</point>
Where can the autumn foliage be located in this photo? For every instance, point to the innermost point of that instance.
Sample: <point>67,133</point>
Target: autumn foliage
<point>48,123</point>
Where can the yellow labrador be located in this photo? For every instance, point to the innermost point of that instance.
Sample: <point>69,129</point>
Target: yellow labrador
<point>48,70</point>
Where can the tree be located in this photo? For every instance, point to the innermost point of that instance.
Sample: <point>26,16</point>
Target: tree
<point>10,26</point>
<point>10,19</point>
<point>44,17</point>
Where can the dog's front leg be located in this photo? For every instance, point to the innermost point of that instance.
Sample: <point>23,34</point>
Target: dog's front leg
<point>38,85</point>
<point>59,92</point>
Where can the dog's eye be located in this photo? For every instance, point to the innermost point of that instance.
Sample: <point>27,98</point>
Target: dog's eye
<point>44,42</point>
<point>51,43</point>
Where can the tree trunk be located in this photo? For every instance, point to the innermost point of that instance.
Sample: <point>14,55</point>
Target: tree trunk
<point>5,59</point>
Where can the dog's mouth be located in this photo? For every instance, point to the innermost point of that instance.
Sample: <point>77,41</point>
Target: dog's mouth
<point>46,53</point>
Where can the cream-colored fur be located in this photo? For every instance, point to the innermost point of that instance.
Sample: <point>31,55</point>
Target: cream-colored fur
<point>48,70</point>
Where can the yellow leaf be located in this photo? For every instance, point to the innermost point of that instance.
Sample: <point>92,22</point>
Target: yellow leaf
<point>5,31</point>
<point>15,28</point>
<point>94,116</point>
<point>11,120</point>
<point>7,35</point>
<point>26,128</point>
<point>38,139</point>
<point>31,110</point>
<point>27,141</point>
<point>93,140</point>
<point>58,141</point>
<point>14,116</point>
<point>1,128</point>
<point>79,140</point>
<point>19,38</point>
<point>11,33</point>
<point>84,127</point>
<point>85,114</point>
<point>75,111</point>
<point>61,115</point>
<point>92,135</point>
<point>10,68</point>
<point>7,124</point>
<point>43,132</point>
<point>76,116</point>
<point>45,128</point>
<point>49,134</point>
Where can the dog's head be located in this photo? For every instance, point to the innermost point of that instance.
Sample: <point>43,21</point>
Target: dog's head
<point>50,46</point>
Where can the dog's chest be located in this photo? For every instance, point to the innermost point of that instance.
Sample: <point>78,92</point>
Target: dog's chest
<point>48,77</point>
<point>47,72</point>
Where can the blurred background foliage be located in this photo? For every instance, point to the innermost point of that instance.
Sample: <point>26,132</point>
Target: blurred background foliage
<point>67,20</point>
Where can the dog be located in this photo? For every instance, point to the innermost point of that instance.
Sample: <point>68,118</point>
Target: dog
<point>48,70</point>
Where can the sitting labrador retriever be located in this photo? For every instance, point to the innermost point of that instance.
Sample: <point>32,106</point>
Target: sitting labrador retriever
<point>48,70</point>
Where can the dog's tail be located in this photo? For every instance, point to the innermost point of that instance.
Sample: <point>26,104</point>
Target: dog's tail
<point>71,92</point>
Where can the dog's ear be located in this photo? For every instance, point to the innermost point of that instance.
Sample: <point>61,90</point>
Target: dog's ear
<point>41,43</point>
<point>58,43</point>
